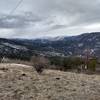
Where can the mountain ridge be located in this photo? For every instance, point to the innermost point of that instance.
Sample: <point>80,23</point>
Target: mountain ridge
<point>66,46</point>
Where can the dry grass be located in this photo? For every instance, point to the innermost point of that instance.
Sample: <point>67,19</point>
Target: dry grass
<point>17,61</point>
<point>21,82</point>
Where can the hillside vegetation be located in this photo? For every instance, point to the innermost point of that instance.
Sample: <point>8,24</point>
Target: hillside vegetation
<point>67,46</point>
<point>22,82</point>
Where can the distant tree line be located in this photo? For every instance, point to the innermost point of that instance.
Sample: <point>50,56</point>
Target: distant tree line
<point>66,63</point>
<point>22,55</point>
<point>56,62</point>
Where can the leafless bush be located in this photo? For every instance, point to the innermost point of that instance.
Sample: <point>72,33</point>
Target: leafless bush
<point>39,68</point>
<point>39,63</point>
<point>5,60</point>
<point>1,59</point>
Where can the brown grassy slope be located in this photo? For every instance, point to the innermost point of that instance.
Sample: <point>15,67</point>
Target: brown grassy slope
<point>21,82</point>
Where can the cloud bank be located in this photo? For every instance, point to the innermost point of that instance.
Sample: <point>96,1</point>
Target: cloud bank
<point>39,18</point>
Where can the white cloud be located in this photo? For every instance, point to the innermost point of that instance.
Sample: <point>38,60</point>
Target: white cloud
<point>93,26</point>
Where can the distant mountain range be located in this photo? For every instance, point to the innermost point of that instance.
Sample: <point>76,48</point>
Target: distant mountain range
<point>59,46</point>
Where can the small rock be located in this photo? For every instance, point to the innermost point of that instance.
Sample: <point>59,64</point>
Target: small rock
<point>58,78</point>
<point>23,74</point>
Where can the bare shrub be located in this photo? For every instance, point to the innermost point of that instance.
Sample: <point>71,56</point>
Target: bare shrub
<point>5,60</point>
<point>39,63</point>
<point>1,59</point>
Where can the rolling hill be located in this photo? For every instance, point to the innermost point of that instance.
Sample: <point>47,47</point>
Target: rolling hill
<point>22,82</point>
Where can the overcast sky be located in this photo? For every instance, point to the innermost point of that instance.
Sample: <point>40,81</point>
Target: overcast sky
<point>38,18</point>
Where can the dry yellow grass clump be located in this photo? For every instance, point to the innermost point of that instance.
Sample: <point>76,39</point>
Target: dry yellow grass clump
<point>21,82</point>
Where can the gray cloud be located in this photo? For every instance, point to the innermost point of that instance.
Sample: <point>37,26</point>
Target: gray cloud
<point>17,21</point>
<point>58,27</point>
<point>50,17</point>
